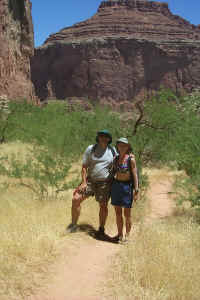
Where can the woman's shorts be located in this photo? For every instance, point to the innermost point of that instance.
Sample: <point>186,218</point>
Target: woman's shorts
<point>122,193</point>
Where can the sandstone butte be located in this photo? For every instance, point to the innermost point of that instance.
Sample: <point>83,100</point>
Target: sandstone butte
<point>16,48</point>
<point>128,49</point>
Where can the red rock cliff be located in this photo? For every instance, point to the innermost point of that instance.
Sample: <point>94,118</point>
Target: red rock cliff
<point>127,49</point>
<point>16,48</point>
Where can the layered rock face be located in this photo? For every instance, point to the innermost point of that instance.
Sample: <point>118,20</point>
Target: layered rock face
<point>128,49</point>
<point>16,48</point>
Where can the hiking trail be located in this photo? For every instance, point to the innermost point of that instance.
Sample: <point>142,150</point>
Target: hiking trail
<point>83,268</point>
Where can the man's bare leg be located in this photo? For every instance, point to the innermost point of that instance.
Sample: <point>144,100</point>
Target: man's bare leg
<point>75,211</point>
<point>76,207</point>
<point>103,214</point>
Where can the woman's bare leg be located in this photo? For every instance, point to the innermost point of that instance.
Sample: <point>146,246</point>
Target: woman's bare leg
<point>119,220</point>
<point>127,215</point>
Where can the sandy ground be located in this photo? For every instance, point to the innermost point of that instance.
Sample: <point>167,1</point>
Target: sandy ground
<point>82,273</point>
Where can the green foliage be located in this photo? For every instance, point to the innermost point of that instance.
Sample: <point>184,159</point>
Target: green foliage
<point>58,137</point>
<point>42,171</point>
<point>64,132</point>
<point>169,134</point>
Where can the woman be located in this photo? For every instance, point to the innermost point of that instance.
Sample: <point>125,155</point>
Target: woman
<point>125,187</point>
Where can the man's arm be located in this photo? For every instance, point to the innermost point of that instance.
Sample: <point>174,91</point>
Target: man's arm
<point>86,156</point>
<point>83,184</point>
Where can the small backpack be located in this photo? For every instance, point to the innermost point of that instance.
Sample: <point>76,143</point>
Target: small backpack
<point>113,153</point>
<point>109,147</point>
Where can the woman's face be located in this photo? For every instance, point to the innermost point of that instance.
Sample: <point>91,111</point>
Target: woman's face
<point>122,147</point>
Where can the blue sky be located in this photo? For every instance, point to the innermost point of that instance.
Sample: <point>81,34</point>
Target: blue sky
<point>50,16</point>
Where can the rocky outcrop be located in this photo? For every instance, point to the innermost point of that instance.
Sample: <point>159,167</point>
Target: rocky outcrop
<point>128,49</point>
<point>17,46</point>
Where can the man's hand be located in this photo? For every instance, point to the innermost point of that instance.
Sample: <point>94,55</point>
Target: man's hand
<point>82,187</point>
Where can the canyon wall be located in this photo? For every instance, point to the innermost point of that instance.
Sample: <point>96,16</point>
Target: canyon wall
<point>16,49</point>
<point>127,50</point>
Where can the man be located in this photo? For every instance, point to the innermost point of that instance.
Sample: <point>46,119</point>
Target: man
<point>97,177</point>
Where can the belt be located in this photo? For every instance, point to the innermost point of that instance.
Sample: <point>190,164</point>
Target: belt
<point>100,181</point>
<point>122,181</point>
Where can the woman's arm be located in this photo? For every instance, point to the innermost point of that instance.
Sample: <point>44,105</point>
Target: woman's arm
<point>134,173</point>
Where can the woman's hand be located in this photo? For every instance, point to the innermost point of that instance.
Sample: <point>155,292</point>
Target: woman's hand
<point>135,195</point>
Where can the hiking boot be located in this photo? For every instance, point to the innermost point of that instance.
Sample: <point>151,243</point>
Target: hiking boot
<point>71,228</point>
<point>100,234</point>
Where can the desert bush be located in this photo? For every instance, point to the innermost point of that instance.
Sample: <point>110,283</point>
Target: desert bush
<point>168,134</point>
<point>41,171</point>
<point>62,131</point>
<point>57,138</point>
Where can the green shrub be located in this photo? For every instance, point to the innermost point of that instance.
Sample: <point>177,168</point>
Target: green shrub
<point>169,133</point>
<point>42,171</point>
<point>57,138</point>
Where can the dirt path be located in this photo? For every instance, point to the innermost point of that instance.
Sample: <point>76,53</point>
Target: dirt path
<point>82,270</point>
<point>160,202</point>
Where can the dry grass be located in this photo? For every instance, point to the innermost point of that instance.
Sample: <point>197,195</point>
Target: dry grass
<point>32,232</point>
<point>162,261</point>
<point>17,148</point>
<point>32,236</point>
<point>161,264</point>
<point>29,240</point>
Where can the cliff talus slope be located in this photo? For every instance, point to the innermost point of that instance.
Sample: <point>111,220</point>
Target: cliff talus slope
<point>128,49</point>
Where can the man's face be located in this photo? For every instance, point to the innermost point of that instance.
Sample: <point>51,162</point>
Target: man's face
<point>103,139</point>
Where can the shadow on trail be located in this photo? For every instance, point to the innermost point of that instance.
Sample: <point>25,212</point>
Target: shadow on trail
<point>91,231</point>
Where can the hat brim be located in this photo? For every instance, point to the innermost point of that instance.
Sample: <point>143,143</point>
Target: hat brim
<point>130,147</point>
<point>123,143</point>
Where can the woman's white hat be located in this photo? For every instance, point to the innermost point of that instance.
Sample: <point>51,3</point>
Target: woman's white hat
<point>123,140</point>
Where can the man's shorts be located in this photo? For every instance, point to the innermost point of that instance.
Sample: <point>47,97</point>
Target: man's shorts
<point>101,190</point>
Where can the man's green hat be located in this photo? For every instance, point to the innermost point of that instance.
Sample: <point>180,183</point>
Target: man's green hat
<point>104,132</point>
